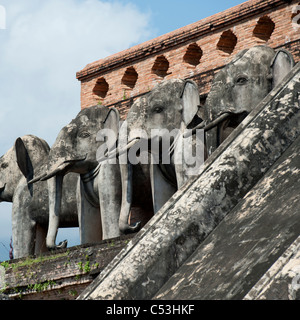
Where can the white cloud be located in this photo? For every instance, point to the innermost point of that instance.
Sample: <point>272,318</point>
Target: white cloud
<point>43,46</point>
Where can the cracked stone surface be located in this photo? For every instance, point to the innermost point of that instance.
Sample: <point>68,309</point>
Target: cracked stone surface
<point>250,238</point>
<point>282,280</point>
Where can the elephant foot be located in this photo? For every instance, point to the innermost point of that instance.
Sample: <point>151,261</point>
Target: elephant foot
<point>132,228</point>
<point>61,245</point>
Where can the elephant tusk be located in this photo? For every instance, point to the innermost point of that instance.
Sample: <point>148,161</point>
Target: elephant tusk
<point>128,146</point>
<point>208,126</point>
<point>60,168</point>
<point>53,173</point>
<point>112,154</point>
<point>116,152</point>
<point>36,179</point>
<point>173,145</point>
<point>82,158</point>
<point>50,175</point>
<point>215,122</point>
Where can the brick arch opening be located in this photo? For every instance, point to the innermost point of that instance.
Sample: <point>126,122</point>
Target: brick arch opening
<point>101,88</point>
<point>227,42</point>
<point>193,54</point>
<point>130,77</point>
<point>160,66</point>
<point>264,28</point>
<point>296,14</point>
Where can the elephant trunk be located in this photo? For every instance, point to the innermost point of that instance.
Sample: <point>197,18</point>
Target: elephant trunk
<point>55,196</point>
<point>126,170</point>
<point>126,174</point>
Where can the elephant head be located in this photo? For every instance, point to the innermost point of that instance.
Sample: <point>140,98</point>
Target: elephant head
<point>164,113</point>
<point>12,169</point>
<point>74,150</point>
<point>172,104</point>
<point>24,159</point>
<point>240,86</point>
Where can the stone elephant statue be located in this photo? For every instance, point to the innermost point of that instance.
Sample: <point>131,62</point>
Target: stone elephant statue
<point>30,213</point>
<point>240,86</point>
<point>172,104</point>
<point>99,186</point>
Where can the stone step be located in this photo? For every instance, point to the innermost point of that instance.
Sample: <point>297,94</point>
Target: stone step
<point>250,239</point>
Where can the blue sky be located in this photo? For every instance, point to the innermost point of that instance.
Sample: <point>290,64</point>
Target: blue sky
<point>46,42</point>
<point>169,15</point>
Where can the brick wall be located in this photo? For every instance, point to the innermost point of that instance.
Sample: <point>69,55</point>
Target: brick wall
<point>196,51</point>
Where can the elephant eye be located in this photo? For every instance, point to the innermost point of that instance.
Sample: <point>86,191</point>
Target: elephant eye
<point>84,134</point>
<point>241,80</point>
<point>158,109</point>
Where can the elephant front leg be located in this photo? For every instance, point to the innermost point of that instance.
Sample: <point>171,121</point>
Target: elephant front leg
<point>24,231</point>
<point>110,196</point>
<point>40,240</point>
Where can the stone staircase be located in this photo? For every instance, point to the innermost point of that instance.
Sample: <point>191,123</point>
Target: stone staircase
<point>221,233</point>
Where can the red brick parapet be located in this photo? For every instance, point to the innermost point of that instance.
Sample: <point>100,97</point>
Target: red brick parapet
<point>195,49</point>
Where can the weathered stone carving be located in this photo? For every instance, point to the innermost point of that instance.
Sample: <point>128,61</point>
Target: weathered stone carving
<point>195,210</point>
<point>30,202</point>
<point>172,104</point>
<point>240,86</point>
<point>99,185</point>
<point>106,191</point>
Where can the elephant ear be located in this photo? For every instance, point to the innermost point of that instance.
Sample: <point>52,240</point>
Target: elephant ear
<point>282,63</point>
<point>112,122</point>
<point>23,159</point>
<point>190,101</point>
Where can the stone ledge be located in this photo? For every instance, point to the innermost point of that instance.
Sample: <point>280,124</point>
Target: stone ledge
<point>62,274</point>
